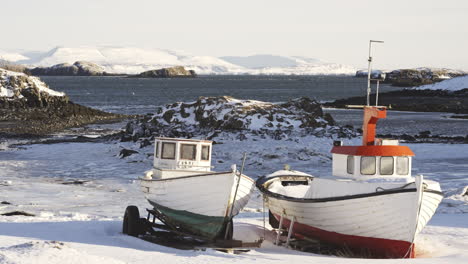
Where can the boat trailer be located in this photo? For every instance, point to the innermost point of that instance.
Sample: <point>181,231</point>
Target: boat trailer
<point>169,235</point>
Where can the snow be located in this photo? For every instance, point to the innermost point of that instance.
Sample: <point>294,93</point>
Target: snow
<point>7,90</point>
<point>134,60</point>
<point>81,223</point>
<point>11,56</point>
<point>454,84</point>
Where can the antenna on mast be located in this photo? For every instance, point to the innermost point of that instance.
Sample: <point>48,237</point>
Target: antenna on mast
<point>369,69</point>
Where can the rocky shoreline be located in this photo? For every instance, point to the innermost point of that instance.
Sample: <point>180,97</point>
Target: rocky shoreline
<point>414,100</point>
<point>412,77</point>
<point>29,107</point>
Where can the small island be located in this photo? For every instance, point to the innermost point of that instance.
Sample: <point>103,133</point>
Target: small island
<point>170,72</point>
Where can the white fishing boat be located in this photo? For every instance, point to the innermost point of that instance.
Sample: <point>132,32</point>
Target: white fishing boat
<point>189,197</point>
<point>371,204</point>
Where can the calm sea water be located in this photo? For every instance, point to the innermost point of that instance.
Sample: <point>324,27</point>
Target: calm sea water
<point>141,96</point>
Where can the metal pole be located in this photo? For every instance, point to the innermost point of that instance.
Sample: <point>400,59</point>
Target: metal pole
<point>235,194</point>
<point>377,94</point>
<point>369,69</point>
<point>279,230</point>
<point>369,73</point>
<point>290,231</point>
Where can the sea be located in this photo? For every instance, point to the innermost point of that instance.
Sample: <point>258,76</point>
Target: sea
<point>142,96</point>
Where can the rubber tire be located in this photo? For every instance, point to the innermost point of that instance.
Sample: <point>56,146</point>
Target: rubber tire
<point>131,222</point>
<point>274,223</point>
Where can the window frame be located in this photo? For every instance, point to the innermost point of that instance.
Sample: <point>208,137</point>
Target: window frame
<point>182,152</point>
<point>348,158</point>
<point>209,152</point>
<point>156,151</point>
<point>162,150</point>
<point>375,165</point>
<point>393,165</point>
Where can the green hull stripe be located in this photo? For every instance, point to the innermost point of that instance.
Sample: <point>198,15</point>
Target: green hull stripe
<point>201,225</point>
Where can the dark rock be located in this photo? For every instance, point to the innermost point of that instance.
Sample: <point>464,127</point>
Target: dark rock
<point>425,133</point>
<point>407,137</point>
<point>18,213</point>
<point>75,182</point>
<point>420,76</point>
<point>126,152</point>
<point>171,72</point>
<point>145,142</point>
<point>10,66</point>
<point>375,74</point>
<point>5,202</point>
<point>414,100</point>
<point>209,115</point>
<point>330,119</point>
<point>30,107</point>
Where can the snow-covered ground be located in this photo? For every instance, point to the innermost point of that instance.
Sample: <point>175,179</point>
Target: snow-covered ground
<point>133,60</point>
<point>454,84</point>
<point>81,223</point>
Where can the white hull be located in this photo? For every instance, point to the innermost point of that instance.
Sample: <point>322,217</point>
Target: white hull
<point>209,194</point>
<point>390,215</point>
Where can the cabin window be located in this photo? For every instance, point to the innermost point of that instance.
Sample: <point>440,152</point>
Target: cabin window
<point>386,165</point>
<point>368,165</point>
<point>188,151</point>
<point>205,153</point>
<point>402,165</point>
<point>156,150</point>
<point>350,165</point>
<point>168,150</point>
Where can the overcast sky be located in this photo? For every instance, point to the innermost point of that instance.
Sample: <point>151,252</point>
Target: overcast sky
<point>416,33</point>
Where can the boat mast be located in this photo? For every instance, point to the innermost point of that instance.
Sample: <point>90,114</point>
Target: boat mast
<point>369,69</point>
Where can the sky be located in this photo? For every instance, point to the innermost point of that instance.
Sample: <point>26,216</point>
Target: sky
<point>416,33</point>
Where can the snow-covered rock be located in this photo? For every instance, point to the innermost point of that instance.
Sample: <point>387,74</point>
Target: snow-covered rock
<point>135,60</point>
<point>14,85</point>
<point>375,74</point>
<point>209,116</point>
<point>455,84</point>
<point>29,106</point>
<point>421,76</point>
<point>171,72</point>
<point>80,68</point>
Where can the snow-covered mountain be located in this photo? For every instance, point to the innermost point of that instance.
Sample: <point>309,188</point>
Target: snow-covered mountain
<point>11,56</point>
<point>135,60</point>
<point>272,64</point>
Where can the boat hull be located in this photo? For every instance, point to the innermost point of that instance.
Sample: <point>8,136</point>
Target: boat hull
<point>360,245</point>
<point>199,204</point>
<point>381,224</point>
<point>187,222</point>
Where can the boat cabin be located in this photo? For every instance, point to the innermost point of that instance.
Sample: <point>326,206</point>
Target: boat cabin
<point>376,157</point>
<point>174,156</point>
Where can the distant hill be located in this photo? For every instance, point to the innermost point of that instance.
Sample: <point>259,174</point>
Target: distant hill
<point>261,61</point>
<point>274,64</point>
<point>135,60</point>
